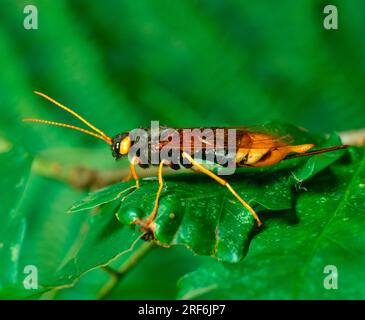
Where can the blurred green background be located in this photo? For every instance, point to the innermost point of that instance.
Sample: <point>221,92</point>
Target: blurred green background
<point>186,63</point>
<point>123,63</point>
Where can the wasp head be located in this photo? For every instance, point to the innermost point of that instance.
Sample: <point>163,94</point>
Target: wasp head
<point>121,145</point>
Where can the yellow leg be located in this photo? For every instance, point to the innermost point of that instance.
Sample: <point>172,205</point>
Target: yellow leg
<point>224,183</point>
<point>160,182</point>
<point>132,172</point>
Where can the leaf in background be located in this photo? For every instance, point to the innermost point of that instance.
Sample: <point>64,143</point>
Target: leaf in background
<point>104,195</point>
<point>288,261</point>
<point>49,231</point>
<point>14,171</point>
<point>144,281</point>
<point>101,240</point>
<point>155,277</point>
<point>63,247</point>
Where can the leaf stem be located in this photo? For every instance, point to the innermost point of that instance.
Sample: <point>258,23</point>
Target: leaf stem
<point>117,275</point>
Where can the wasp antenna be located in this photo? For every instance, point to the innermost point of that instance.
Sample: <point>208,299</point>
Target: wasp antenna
<point>107,139</point>
<point>73,113</point>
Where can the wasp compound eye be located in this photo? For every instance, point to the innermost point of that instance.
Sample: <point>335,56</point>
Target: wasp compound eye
<point>124,146</point>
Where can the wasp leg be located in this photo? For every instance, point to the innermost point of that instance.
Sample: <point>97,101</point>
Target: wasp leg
<point>224,183</point>
<point>160,182</point>
<point>132,172</point>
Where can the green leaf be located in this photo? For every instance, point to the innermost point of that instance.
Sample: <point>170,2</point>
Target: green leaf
<point>143,281</point>
<point>49,231</point>
<point>104,195</point>
<point>288,261</point>
<point>63,247</point>
<point>101,240</point>
<point>200,214</point>
<point>14,171</point>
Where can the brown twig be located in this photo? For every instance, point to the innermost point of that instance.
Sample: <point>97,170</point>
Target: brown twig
<point>87,178</point>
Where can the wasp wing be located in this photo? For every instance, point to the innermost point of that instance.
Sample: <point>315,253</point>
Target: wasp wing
<point>252,137</point>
